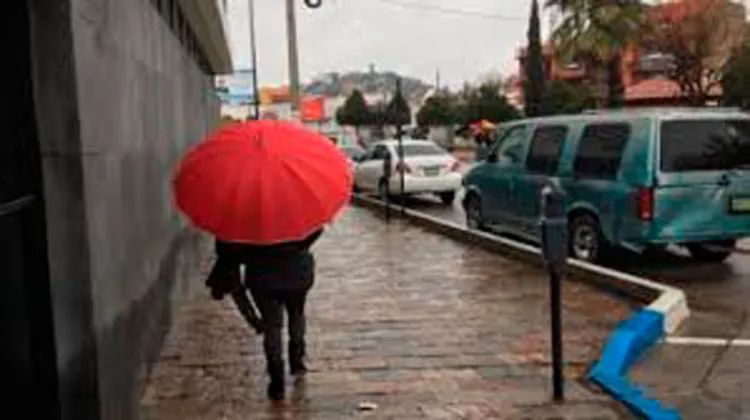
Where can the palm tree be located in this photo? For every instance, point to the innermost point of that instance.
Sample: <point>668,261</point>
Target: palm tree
<point>597,32</point>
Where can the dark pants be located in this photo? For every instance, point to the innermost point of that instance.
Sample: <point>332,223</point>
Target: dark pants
<point>271,305</point>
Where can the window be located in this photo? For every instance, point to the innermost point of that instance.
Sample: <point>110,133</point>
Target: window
<point>703,145</point>
<point>419,149</point>
<point>600,150</point>
<point>546,148</point>
<point>510,147</point>
<point>379,153</point>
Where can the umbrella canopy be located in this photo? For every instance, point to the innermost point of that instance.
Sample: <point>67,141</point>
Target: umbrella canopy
<point>263,182</point>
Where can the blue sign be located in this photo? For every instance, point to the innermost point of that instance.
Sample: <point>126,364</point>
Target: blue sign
<point>236,89</point>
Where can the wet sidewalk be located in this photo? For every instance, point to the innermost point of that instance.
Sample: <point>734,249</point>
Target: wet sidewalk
<point>409,321</point>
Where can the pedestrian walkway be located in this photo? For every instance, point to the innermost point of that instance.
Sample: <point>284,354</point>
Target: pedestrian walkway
<point>403,324</point>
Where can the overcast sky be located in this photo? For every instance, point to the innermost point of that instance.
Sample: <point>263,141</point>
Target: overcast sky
<point>463,39</point>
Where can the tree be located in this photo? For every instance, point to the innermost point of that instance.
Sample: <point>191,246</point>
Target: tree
<point>534,81</point>
<point>562,97</point>
<point>598,32</point>
<point>354,112</point>
<point>695,35</point>
<point>736,78</point>
<point>378,119</point>
<point>397,113</point>
<point>439,109</point>
<point>486,103</point>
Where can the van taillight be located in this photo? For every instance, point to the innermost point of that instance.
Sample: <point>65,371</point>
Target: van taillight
<point>646,204</point>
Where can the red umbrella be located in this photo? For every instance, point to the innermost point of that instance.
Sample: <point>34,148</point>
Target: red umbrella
<point>263,182</point>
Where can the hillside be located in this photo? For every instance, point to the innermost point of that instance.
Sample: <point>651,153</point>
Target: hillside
<point>372,82</point>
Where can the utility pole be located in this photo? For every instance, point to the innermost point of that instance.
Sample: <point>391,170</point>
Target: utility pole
<point>254,58</point>
<point>291,33</point>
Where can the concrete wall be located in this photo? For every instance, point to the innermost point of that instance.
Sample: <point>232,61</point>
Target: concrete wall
<point>118,101</point>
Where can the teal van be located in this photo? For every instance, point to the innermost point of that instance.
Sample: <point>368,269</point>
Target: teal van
<point>638,179</point>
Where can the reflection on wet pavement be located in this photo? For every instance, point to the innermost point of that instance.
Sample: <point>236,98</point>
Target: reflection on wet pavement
<point>412,322</point>
<point>686,376</point>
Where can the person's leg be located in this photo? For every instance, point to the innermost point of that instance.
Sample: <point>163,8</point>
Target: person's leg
<point>271,309</point>
<point>295,307</point>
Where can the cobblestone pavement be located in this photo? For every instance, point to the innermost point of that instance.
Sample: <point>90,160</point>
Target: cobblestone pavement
<point>701,381</point>
<point>414,323</point>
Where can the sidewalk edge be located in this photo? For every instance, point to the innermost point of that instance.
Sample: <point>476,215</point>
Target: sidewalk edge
<point>667,307</point>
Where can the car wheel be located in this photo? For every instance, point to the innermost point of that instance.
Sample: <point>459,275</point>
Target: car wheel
<point>714,252</point>
<point>447,197</point>
<point>473,210</point>
<point>585,240</point>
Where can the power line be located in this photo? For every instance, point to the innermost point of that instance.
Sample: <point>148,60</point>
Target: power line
<point>458,12</point>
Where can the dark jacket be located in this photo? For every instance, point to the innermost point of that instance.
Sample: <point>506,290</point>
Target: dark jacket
<point>287,266</point>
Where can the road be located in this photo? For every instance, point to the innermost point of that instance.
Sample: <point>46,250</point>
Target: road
<point>703,381</point>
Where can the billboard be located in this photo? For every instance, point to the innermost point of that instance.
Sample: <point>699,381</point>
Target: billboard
<point>236,89</point>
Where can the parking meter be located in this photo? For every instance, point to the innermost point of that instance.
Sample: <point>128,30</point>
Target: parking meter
<point>554,228</point>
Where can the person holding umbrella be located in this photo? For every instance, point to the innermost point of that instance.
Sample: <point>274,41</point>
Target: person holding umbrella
<point>265,189</point>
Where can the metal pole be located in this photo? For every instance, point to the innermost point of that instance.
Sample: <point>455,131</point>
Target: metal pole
<point>291,33</point>
<point>402,182</point>
<point>555,251</point>
<point>555,311</point>
<point>254,58</point>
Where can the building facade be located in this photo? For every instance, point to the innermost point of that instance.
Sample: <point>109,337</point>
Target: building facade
<point>107,96</point>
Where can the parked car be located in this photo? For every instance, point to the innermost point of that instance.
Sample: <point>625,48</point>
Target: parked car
<point>638,179</point>
<point>426,167</point>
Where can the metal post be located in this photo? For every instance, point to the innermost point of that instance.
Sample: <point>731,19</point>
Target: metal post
<point>254,58</point>
<point>291,33</point>
<point>557,350</point>
<point>555,250</point>
<point>402,182</point>
<point>387,166</point>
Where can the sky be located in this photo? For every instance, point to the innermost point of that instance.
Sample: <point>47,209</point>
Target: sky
<point>462,39</point>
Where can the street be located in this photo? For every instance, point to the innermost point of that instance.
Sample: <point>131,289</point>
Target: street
<point>410,321</point>
<point>702,380</point>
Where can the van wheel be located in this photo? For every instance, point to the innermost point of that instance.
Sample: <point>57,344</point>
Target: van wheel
<point>473,210</point>
<point>585,240</point>
<point>713,252</point>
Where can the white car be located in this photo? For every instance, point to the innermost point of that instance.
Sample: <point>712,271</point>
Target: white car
<point>426,167</point>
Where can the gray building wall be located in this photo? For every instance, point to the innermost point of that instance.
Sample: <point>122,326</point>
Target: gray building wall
<point>118,99</point>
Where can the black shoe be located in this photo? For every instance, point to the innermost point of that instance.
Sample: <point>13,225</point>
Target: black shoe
<point>276,391</point>
<point>298,368</point>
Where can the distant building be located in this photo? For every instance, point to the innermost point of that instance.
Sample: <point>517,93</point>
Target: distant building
<point>644,70</point>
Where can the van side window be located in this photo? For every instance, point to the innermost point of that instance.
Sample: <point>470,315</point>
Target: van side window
<point>600,150</point>
<point>546,148</point>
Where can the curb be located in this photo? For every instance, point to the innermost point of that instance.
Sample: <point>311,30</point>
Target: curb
<point>667,306</point>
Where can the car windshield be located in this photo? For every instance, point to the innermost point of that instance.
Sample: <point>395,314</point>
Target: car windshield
<point>422,149</point>
<point>705,145</point>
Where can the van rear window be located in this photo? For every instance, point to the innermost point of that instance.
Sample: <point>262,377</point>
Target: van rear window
<point>705,145</point>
